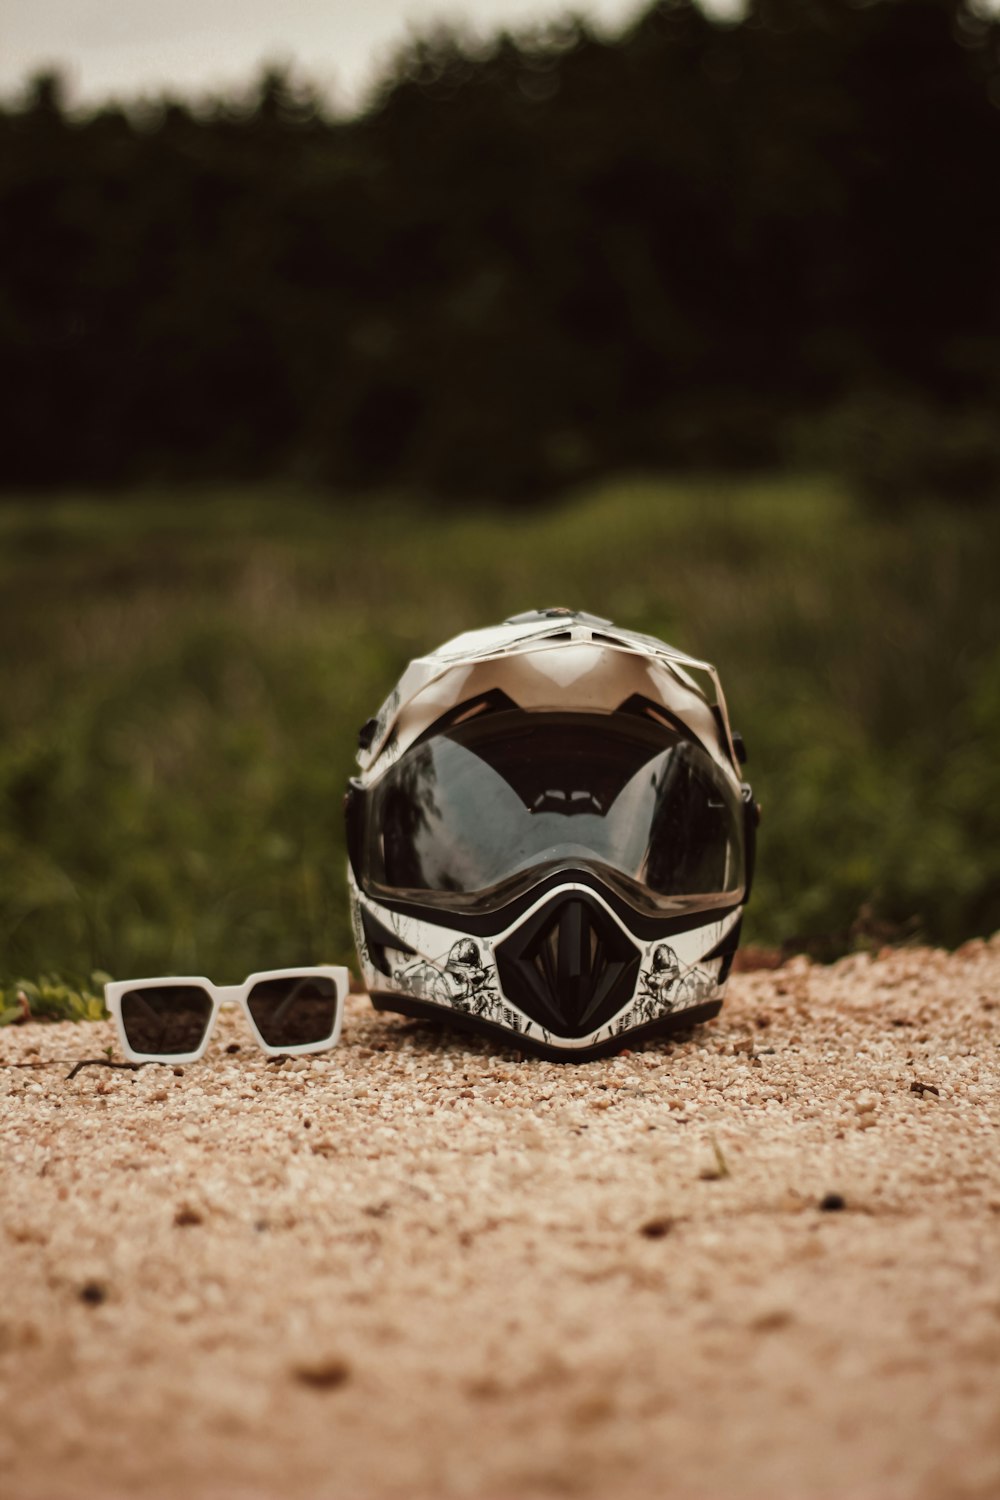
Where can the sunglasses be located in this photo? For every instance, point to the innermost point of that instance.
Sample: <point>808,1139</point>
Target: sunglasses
<point>171,1020</point>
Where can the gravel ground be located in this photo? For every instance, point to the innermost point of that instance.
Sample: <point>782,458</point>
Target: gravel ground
<point>761,1262</point>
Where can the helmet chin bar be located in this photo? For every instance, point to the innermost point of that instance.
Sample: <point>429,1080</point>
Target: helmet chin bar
<point>566,977</point>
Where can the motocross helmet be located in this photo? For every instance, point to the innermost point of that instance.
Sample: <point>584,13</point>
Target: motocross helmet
<point>550,840</point>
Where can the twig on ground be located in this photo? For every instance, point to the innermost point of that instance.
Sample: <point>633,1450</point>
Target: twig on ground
<point>104,1062</point>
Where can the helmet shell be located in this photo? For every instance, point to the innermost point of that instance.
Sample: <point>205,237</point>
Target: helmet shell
<point>556,659</point>
<point>424,959</point>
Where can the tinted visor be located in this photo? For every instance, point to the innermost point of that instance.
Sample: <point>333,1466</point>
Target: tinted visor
<point>479,810</point>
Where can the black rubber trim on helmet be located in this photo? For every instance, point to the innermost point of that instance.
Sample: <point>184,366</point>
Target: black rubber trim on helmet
<point>726,950</point>
<point>645,708</point>
<point>751,817</point>
<point>378,938</point>
<point>426,1010</point>
<point>495,701</point>
<point>354,799</point>
<point>487,924</point>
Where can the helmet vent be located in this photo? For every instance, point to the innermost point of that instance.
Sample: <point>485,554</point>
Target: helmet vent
<point>570,966</point>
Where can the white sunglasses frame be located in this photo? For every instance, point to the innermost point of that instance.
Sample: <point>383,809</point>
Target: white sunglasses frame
<point>226,994</point>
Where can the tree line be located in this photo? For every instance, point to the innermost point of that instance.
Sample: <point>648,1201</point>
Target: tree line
<point>525,263</point>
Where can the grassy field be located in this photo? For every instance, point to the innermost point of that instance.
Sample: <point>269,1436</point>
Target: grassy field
<point>183,677</point>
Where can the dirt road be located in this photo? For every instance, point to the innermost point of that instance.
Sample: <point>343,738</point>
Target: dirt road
<point>764,1262</point>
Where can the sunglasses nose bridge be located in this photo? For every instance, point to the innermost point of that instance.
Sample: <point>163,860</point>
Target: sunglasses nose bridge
<point>229,994</point>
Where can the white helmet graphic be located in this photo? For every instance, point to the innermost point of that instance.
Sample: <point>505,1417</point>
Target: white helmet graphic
<point>550,839</point>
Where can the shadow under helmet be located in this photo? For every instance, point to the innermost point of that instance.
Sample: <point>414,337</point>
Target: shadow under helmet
<point>550,840</point>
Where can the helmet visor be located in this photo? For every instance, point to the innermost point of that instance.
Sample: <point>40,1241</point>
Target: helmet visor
<point>478,811</point>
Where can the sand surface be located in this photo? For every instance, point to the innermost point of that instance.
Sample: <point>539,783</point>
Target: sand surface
<point>423,1267</point>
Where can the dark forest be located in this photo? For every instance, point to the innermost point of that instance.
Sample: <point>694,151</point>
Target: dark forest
<point>524,265</point>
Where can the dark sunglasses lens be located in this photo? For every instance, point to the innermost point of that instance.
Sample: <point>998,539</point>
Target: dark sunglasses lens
<point>166,1019</point>
<point>295,1010</point>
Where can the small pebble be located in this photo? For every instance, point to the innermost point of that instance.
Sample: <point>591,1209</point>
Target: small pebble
<point>323,1375</point>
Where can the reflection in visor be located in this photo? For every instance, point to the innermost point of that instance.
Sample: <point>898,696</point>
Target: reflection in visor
<point>480,810</point>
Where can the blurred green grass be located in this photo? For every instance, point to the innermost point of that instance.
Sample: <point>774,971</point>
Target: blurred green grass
<point>184,675</point>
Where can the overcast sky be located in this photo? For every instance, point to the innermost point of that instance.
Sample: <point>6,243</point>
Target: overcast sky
<point>127,47</point>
